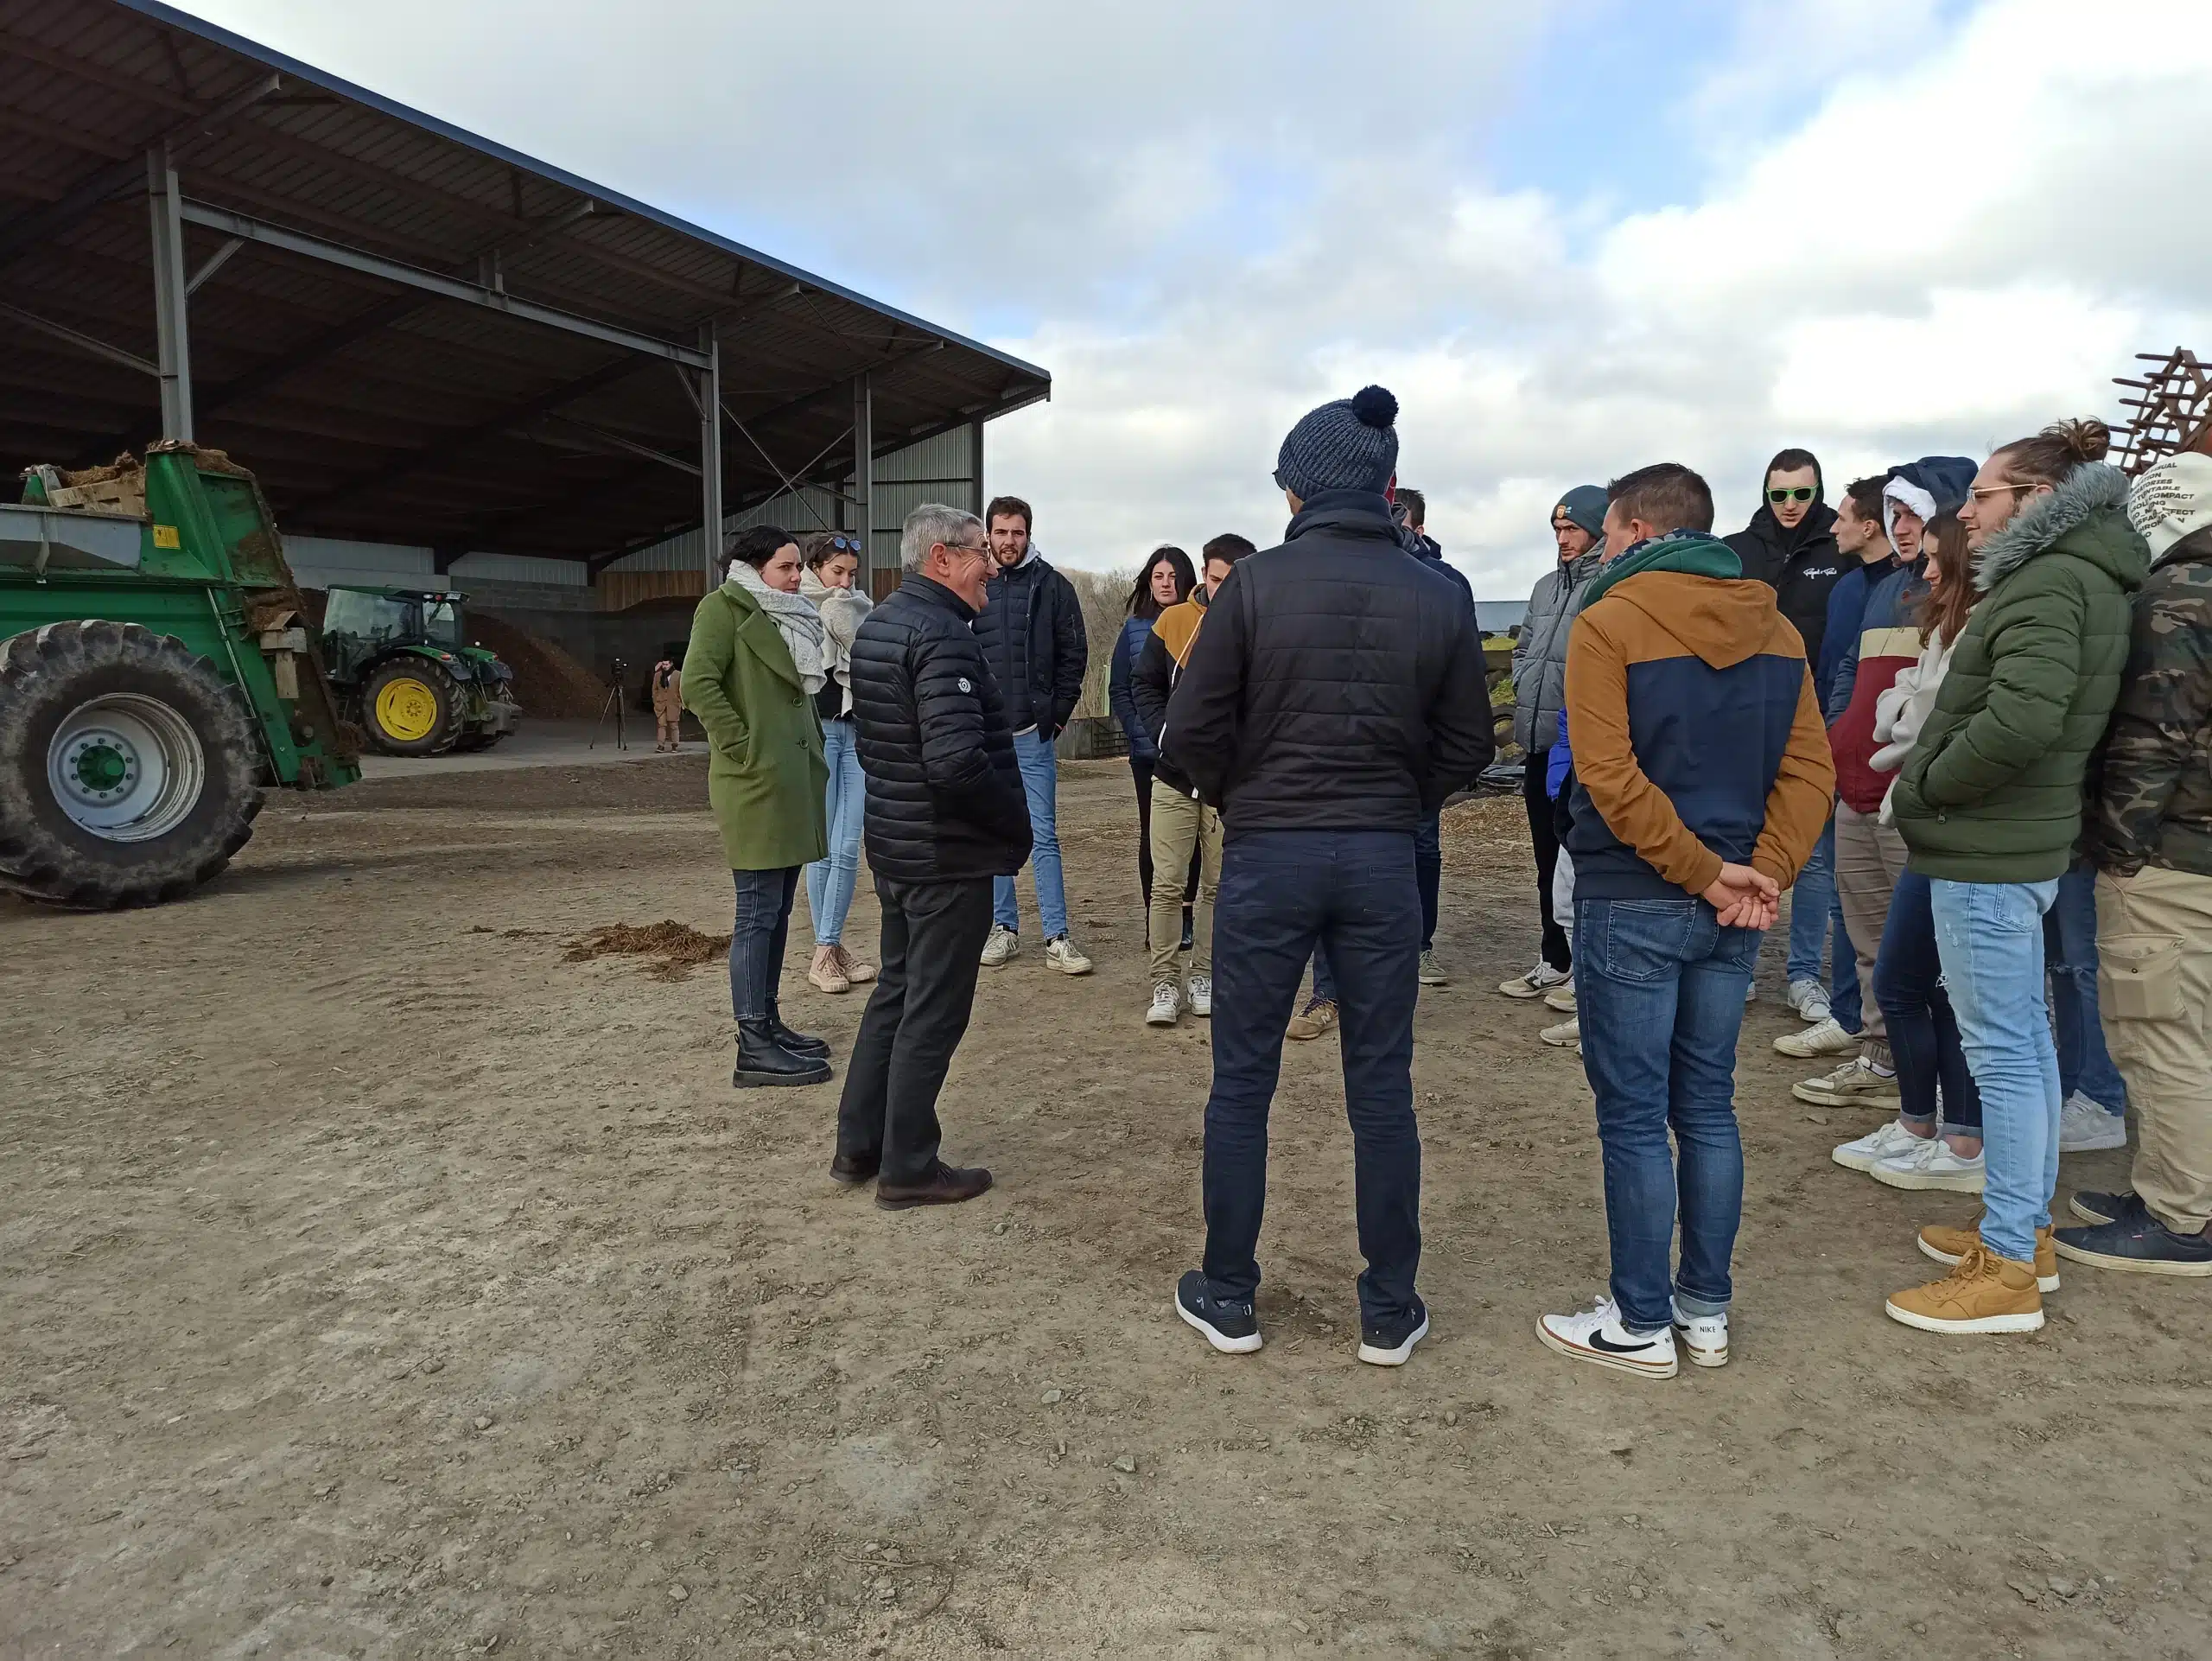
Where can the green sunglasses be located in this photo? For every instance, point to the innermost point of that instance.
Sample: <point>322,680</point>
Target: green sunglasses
<point>1801,493</point>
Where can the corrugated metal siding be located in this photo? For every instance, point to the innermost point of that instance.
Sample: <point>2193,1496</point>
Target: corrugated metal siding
<point>318,562</point>
<point>940,469</point>
<point>517,568</point>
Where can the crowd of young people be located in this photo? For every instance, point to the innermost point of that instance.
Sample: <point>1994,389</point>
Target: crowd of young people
<point>2011,665</point>
<point>1963,719</point>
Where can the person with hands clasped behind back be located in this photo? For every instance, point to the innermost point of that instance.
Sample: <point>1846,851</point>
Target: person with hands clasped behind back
<point>1701,782</point>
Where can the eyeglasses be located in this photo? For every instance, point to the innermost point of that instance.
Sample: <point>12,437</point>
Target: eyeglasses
<point>1978,492</point>
<point>983,552</point>
<point>1801,493</point>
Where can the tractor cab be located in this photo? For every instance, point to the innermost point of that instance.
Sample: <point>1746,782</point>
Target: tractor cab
<point>399,657</point>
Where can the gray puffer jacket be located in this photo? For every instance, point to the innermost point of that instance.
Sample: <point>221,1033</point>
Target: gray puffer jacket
<point>1539,655</point>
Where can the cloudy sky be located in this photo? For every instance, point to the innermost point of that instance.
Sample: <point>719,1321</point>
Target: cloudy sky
<point>1572,235</point>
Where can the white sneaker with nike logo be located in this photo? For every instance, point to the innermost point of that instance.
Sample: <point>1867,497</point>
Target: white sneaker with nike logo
<point>1596,1334</point>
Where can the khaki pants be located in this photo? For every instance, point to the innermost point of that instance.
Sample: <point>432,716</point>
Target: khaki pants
<point>1869,859</point>
<point>1178,825</point>
<point>2154,984</point>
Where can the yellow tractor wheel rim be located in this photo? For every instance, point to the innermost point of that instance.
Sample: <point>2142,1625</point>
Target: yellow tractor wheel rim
<point>407,710</point>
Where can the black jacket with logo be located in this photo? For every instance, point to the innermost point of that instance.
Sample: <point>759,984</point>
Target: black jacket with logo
<point>1337,684</point>
<point>1800,565</point>
<point>944,799</point>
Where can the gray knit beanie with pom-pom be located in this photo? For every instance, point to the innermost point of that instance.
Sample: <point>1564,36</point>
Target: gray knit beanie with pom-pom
<point>1348,445</point>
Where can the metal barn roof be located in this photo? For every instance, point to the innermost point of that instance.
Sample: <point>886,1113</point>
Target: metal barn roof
<point>408,332</point>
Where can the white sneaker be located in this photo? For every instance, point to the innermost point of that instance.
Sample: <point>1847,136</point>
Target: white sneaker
<point>1929,1163</point>
<point>1568,1032</point>
<point>1000,945</point>
<point>1060,953</point>
<point>1560,998</point>
<point>1855,1083</point>
<point>2084,1126</point>
<point>1827,1038</point>
<point>1165,1006</point>
<point>1535,983</point>
<point>1597,1335</point>
<point>1889,1137</point>
<point>1810,999</point>
<point>1704,1339</point>
<point>1201,995</point>
<point>1751,993</point>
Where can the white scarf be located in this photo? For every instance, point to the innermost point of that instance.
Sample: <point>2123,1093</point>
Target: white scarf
<point>798,622</point>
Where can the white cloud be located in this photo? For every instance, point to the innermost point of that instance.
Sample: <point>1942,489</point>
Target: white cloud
<point>1900,226</point>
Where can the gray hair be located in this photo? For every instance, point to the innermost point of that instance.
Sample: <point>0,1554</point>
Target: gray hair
<point>930,524</point>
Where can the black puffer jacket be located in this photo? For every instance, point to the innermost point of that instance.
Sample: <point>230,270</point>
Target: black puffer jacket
<point>1039,661</point>
<point>1337,684</point>
<point>945,800</point>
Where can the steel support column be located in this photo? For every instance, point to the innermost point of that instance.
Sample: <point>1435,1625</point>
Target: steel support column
<point>710,454</point>
<point>975,467</point>
<point>864,476</point>
<point>165,203</point>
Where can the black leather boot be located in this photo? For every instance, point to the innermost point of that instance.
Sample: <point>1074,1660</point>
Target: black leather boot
<point>796,1043</point>
<point>762,1060</point>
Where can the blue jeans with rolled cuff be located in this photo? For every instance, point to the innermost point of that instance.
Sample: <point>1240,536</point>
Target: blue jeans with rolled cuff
<point>1659,986</point>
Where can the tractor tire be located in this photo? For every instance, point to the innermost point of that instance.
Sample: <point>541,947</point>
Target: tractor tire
<point>130,770</point>
<point>412,707</point>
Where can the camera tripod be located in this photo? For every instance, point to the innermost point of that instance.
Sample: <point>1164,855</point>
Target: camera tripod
<point>614,706</point>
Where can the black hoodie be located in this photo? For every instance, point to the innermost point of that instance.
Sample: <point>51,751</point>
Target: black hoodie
<point>1801,564</point>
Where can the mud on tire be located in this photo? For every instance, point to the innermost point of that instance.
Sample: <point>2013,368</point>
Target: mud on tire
<point>47,678</point>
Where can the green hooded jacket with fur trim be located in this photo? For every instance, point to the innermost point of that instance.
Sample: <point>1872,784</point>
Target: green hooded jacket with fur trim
<point>1991,791</point>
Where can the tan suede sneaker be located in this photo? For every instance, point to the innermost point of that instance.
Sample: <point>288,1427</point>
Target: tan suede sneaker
<point>1318,1017</point>
<point>1984,1294</point>
<point>1948,1245</point>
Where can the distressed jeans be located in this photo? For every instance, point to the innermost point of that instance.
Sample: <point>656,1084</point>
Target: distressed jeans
<point>1040,783</point>
<point>1660,989</point>
<point>829,881</point>
<point>1990,935</point>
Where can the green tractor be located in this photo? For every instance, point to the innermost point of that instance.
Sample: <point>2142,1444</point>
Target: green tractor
<point>397,658</point>
<point>156,671</point>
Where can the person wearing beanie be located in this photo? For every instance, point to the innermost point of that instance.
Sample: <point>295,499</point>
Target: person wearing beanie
<point>2150,834</point>
<point>1334,699</point>
<point>1539,695</point>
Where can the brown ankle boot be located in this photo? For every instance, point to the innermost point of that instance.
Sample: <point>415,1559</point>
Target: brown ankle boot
<point>946,1184</point>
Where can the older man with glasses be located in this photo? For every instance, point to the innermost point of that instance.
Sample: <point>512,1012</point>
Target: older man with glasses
<point>945,818</point>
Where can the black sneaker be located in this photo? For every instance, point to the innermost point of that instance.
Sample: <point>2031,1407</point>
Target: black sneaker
<point>1230,1328</point>
<point>2137,1244</point>
<point>1388,1344</point>
<point>2101,1208</point>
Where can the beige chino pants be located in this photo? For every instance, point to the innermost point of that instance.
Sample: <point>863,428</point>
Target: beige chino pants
<point>2154,986</point>
<point>1178,825</point>
<point>1869,859</point>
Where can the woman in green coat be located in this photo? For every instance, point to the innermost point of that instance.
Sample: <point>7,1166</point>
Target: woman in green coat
<point>750,675</point>
<point>1989,803</point>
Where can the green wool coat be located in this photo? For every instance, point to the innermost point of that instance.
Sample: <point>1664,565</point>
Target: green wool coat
<point>1991,791</point>
<point>766,777</point>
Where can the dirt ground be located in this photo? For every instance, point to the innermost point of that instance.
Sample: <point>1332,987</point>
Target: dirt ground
<point>375,1280</point>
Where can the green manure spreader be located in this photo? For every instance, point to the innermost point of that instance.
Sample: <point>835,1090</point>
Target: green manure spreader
<point>158,670</point>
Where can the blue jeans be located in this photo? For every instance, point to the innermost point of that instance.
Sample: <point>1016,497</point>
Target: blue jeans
<point>1815,920</point>
<point>1991,937</point>
<point>1281,892</point>
<point>757,937</point>
<point>1660,986</point>
<point>829,881</point>
<point>2069,942</point>
<point>1040,783</point>
<point>1924,1031</point>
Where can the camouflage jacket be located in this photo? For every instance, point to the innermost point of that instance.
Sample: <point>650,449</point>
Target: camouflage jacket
<point>2154,796</point>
